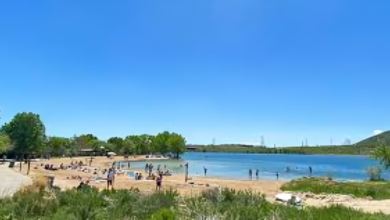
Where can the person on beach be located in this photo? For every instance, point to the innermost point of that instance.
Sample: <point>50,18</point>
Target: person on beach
<point>250,173</point>
<point>146,167</point>
<point>186,172</point>
<point>80,186</point>
<point>277,176</point>
<point>159,182</point>
<point>257,173</point>
<point>310,170</point>
<point>150,169</point>
<point>205,171</point>
<point>110,178</point>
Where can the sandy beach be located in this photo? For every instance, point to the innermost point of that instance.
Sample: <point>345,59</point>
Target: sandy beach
<point>63,178</point>
<point>193,187</point>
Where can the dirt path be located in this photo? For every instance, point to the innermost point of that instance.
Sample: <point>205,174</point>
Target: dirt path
<point>11,181</point>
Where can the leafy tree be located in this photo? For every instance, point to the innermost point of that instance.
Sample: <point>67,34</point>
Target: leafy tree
<point>116,143</point>
<point>109,147</point>
<point>58,145</point>
<point>4,143</point>
<point>177,144</point>
<point>160,142</point>
<point>382,153</point>
<point>128,146</point>
<point>137,142</point>
<point>86,140</point>
<point>27,133</point>
<point>146,141</point>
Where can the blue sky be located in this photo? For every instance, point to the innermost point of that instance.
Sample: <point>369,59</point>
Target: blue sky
<point>229,70</point>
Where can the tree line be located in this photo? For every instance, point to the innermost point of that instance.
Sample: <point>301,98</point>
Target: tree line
<point>25,137</point>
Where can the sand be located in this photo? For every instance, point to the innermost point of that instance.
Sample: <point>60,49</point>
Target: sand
<point>177,182</point>
<point>63,179</point>
<point>11,181</point>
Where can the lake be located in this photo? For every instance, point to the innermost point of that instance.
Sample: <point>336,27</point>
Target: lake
<point>236,166</point>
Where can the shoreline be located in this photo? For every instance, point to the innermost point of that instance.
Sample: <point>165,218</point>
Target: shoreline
<point>63,178</point>
<point>176,182</point>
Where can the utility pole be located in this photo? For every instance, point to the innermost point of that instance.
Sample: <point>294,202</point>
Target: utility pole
<point>306,142</point>
<point>262,142</point>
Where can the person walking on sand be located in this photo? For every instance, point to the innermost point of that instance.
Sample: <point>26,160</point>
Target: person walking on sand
<point>159,182</point>
<point>205,171</point>
<point>110,178</point>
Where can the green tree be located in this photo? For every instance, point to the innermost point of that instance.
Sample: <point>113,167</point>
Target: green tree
<point>58,145</point>
<point>136,141</point>
<point>160,142</point>
<point>4,143</point>
<point>86,140</point>
<point>382,153</point>
<point>116,143</point>
<point>128,146</point>
<point>27,133</point>
<point>177,144</point>
<point>145,144</point>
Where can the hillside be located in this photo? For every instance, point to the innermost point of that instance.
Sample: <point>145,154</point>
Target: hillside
<point>364,147</point>
<point>370,142</point>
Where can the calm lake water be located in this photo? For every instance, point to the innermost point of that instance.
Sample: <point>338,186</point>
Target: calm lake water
<point>236,166</point>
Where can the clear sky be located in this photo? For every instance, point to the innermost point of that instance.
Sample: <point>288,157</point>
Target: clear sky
<point>229,70</point>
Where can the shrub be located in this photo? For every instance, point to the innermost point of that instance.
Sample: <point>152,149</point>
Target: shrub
<point>126,205</point>
<point>374,173</point>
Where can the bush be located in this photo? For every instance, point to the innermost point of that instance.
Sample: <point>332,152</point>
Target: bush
<point>376,190</point>
<point>374,173</point>
<point>125,205</point>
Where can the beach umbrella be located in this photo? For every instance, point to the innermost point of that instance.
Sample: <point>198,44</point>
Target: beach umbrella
<point>111,153</point>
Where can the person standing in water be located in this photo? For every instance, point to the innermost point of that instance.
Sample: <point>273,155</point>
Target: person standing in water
<point>250,174</point>
<point>150,169</point>
<point>146,167</point>
<point>277,176</point>
<point>310,170</point>
<point>205,171</point>
<point>257,173</point>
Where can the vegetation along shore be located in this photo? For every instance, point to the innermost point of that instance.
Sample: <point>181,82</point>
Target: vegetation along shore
<point>57,193</point>
<point>364,147</point>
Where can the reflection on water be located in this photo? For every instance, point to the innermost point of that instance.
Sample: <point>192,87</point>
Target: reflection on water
<point>232,165</point>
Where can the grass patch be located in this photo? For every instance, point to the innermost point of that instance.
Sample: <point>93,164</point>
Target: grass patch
<point>378,190</point>
<point>131,204</point>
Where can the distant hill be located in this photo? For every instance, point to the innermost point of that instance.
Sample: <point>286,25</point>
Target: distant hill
<point>370,142</point>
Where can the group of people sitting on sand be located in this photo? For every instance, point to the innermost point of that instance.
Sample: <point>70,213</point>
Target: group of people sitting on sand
<point>50,167</point>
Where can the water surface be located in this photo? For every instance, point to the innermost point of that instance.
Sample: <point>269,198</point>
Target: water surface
<point>236,166</point>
